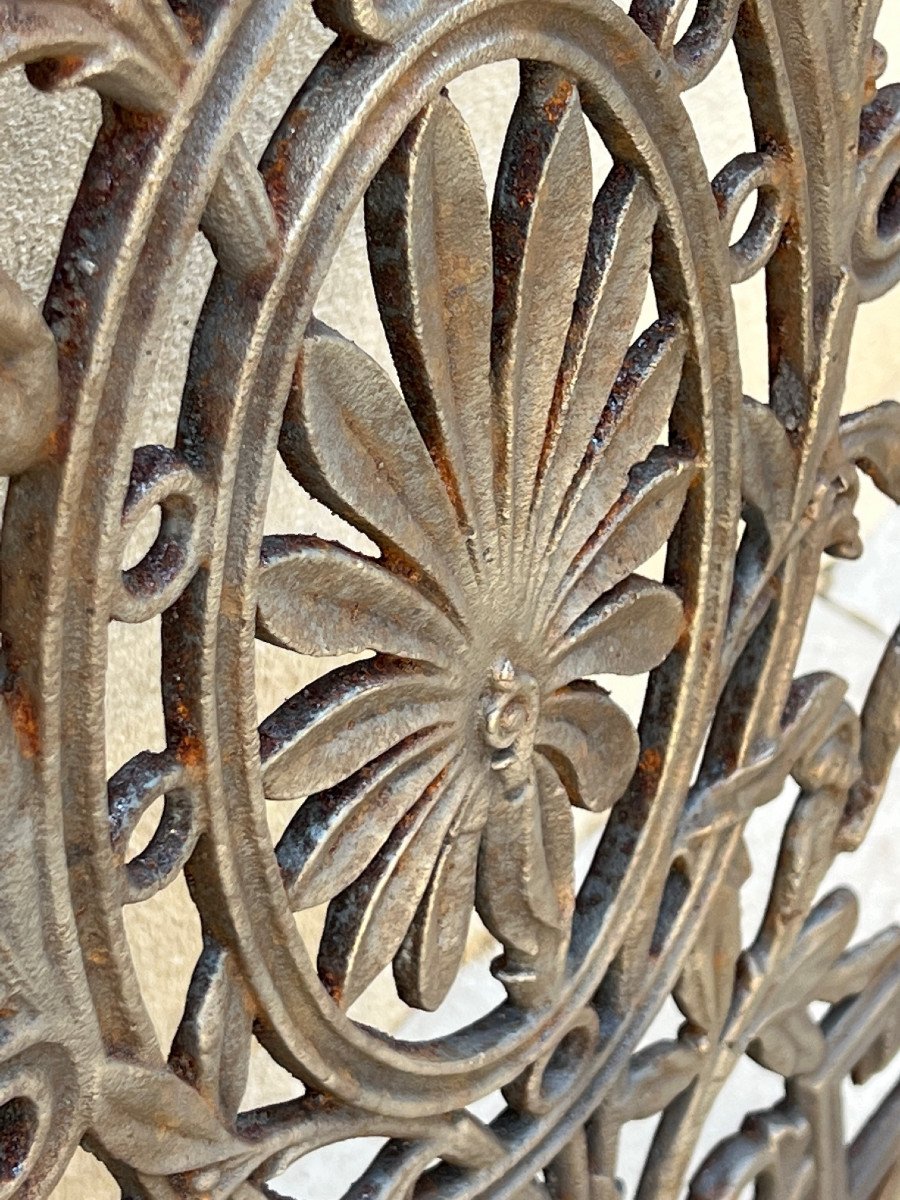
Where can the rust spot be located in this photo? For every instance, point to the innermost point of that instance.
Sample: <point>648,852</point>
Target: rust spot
<point>58,443</point>
<point>190,750</point>
<point>333,985</point>
<point>23,716</point>
<point>190,20</point>
<point>143,123</point>
<point>277,183</point>
<point>51,72</point>
<point>558,101</point>
<point>651,761</point>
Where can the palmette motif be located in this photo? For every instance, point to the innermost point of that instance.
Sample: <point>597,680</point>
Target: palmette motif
<point>546,440</point>
<point>462,743</point>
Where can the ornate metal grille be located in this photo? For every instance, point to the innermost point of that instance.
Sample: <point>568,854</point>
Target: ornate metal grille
<point>540,448</point>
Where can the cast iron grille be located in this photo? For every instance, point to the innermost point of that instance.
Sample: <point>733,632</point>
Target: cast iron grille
<point>543,433</point>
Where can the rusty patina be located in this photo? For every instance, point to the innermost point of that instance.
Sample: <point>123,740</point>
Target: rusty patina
<point>539,443</point>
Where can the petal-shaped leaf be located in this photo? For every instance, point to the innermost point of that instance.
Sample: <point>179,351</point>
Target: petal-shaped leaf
<point>871,438</point>
<point>769,467</point>
<point>336,834</point>
<point>367,923</point>
<point>133,51</point>
<point>339,723</point>
<point>591,743</point>
<point>857,967</point>
<point>808,848</point>
<point>459,1140</point>
<point>315,597</point>
<point>630,631</point>
<point>820,943</point>
<point>656,1075</point>
<point>823,939</point>
<point>239,200</point>
<point>157,1124</point>
<point>634,417</point>
<point>211,1048</point>
<point>540,221</point>
<point>878,749</point>
<point>525,883</point>
<point>609,301</point>
<point>429,244</point>
<point>719,802</point>
<point>639,525</point>
<point>558,837</point>
<point>350,440</point>
<point>706,985</point>
<point>428,960</point>
<point>791,1045</point>
<point>29,387</point>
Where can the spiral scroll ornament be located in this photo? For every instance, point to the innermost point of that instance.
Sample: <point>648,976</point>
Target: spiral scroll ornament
<point>554,483</point>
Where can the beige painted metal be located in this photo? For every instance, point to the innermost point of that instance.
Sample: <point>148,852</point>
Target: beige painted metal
<point>43,143</point>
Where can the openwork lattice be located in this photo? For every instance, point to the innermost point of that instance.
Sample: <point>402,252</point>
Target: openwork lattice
<point>542,441</point>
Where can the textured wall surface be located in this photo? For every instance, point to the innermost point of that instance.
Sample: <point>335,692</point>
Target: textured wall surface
<point>43,144</point>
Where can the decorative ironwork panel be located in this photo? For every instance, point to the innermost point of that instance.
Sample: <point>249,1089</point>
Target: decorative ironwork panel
<point>538,444</point>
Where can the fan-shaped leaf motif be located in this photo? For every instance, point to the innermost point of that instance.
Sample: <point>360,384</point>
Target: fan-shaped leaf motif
<point>630,424</point>
<point>339,723</point>
<point>429,243</point>
<point>607,307</point>
<point>635,529</point>
<point>540,222</point>
<point>367,923</point>
<point>133,51</point>
<point>336,834</point>
<point>429,958</point>
<point>591,743</point>
<point>630,631</point>
<point>508,343</point>
<point>350,440</point>
<point>315,597</point>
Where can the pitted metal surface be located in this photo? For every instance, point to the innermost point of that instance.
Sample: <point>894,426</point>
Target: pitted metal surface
<point>548,493</point>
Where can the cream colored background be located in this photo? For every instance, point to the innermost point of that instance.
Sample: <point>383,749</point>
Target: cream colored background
<point>43,143</point>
